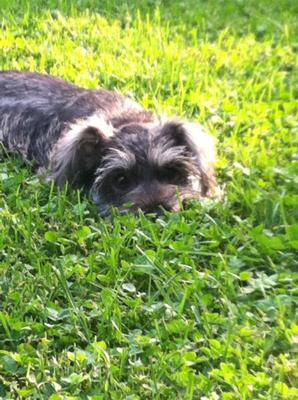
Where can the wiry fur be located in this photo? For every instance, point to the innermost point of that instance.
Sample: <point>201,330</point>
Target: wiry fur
<point>76,146</point>
<point>104,142</point>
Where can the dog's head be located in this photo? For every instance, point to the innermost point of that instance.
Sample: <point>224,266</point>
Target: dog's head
<point>147,166</point>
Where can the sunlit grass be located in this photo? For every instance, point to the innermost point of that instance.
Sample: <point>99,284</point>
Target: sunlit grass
<point>196,305</point>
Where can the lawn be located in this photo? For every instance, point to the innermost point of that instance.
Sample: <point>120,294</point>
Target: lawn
<point>201,304</point>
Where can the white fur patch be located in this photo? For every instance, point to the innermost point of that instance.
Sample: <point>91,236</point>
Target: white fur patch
<point>195,183</point>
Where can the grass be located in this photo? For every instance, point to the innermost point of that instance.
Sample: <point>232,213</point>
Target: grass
<point>197,305</point>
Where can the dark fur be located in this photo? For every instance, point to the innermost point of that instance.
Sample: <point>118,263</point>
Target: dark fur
<point>101,141</point>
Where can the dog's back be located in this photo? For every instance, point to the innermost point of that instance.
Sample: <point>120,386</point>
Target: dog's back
<point>35,109</point>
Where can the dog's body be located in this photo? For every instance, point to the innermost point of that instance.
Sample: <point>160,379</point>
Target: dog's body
<point>101,141</point>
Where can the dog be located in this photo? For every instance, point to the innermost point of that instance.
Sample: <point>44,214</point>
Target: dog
<point>105,144</point>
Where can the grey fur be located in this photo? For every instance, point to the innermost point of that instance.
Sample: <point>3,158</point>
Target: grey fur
<point>105,143</point>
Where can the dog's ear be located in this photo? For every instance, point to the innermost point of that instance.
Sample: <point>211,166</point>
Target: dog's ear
<point>77,154</point>
<point>200,145</point>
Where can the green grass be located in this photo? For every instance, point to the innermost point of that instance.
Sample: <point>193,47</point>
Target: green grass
<point>197,305</point>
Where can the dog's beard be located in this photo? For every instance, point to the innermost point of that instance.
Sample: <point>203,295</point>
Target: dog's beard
<point>147,197</point>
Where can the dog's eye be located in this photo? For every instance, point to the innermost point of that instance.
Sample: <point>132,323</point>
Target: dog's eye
<point>172,175</point>
<point>169,174</point>
<point>121,181</point>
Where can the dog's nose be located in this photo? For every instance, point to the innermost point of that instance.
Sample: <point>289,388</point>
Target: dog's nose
<point>157,209</point>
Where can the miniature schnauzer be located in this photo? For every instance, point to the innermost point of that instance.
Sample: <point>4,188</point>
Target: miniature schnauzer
<point>105,144</point>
